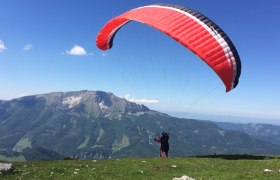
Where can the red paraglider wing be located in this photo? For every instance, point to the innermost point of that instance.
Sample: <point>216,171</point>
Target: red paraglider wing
<point>190,28</point>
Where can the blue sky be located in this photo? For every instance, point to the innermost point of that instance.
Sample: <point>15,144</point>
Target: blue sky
<point>49,46</point>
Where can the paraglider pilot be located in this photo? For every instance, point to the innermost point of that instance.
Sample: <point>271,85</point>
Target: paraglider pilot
<point>164,145</point>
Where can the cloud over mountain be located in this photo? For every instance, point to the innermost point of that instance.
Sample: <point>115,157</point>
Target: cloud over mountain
<point>143,100</point>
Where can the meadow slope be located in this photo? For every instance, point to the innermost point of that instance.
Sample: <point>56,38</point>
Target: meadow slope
<point>215,167</point>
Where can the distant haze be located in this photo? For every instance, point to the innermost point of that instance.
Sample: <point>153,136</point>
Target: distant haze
<point>223,118</point>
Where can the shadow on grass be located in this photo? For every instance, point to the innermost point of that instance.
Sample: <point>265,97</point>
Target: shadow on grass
<point>240,157</point>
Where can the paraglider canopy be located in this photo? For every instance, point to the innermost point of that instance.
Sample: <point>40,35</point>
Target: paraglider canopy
<point>190,28</point>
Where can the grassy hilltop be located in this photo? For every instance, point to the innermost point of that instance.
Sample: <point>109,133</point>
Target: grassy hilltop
<point>215,167</point>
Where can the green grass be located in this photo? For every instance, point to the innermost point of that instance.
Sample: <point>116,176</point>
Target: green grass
<point>218,167</point>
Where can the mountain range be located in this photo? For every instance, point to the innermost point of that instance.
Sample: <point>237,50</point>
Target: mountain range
<point>96,124</point>
<point>265,132</point>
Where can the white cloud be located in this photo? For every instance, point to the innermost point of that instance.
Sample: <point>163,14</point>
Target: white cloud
<point>148,101</point>
<point>77,51</point>
<point>104,54</point>
<point>2,46</point>
<point>27,47</point>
